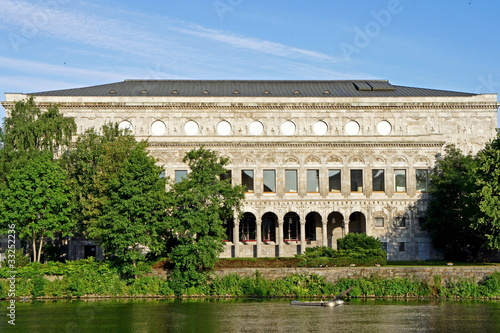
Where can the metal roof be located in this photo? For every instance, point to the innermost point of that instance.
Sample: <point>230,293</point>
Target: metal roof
<point>250,88</point>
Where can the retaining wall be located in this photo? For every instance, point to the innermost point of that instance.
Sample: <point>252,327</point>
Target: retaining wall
<point>332,274</point>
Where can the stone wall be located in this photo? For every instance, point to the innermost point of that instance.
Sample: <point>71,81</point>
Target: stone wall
<point>332,274</point>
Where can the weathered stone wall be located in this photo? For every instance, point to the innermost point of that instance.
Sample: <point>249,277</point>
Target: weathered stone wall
<point>332,274</point>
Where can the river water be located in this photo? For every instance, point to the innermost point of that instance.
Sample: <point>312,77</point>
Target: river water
<point>277,315</point>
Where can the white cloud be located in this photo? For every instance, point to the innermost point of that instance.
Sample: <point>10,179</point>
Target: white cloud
<point>252,43</point>
<point>44,69</point>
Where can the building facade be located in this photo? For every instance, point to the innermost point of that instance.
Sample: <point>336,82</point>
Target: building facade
<point>319,159</point>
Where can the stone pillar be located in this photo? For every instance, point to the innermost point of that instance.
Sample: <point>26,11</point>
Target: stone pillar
<point>236,237</point>
<point>302,235</point>
<point>281,223</point>
<point>324,228</point>
<point>258,238</point>
<point>345,229</point>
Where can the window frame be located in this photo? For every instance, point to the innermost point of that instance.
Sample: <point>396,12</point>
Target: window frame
<point>396,187</point>
<point>417,182</point>
<point>266,182</point>
<point>244,176</point>
<point>382,190</point>
<point>296,181</point>
<point>330,181</point>
<point>178,176</point>
<point>357,187</point>
<point>317,182</point>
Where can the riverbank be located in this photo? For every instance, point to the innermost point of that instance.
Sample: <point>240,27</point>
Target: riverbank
<point>88,278</point>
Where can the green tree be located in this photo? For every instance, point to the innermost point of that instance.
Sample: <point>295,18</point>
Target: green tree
<point>199,205</point>
<point>37,199</point>
<point>29,129</point>
<point>92,167</point>
<point>487,175</point>
<point>121,197</point>
<point>452,211</point>
<point>135,210</point>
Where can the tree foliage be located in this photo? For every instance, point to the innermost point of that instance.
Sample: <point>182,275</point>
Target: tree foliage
<point>121,197</point>
<point>92,167</point>
<point>452,212</point>
<point>487,175</point>
<point>33,186</point>
<point>36,198</point>
<point>29,129</point>
<point>198,206</point>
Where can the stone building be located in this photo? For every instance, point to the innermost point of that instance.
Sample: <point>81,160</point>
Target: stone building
<point>319,159</point>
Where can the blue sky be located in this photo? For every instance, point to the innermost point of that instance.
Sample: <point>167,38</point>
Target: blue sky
<point>58,44</point>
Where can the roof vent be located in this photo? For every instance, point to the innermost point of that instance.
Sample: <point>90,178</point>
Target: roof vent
<point>144,92</point>
<point>362,86</point>
<point>236,92</point>
<point>373,86</point>
<point>296,92</point>
<point>205,92</point>
<point>327,92</point>
<point>267,92</point>
<point>175,92</point>
<point>112,92</point>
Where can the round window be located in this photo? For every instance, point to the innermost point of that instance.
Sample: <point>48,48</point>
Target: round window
<point>352,128</point>
<point>320,128</point>
<point>288,128</point>
<point>126,125</point>
<point>191,127</point>
<point>384,128</point>
<point>256,128</point>
<point>224,128</point>
<point>158,128</point>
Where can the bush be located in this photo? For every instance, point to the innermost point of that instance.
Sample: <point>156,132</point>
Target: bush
<point>322,256</point>
<point>354,241</point>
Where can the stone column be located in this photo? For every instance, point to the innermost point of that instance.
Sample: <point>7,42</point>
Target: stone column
<point>345,230</point>
<point>236,237</point>
<point>302,235</point>
<point>258,238</point>
<point>324,228</point>
<point>281,223</point>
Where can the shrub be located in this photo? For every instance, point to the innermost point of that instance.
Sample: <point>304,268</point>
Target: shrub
<point>358,241</point>
<point>38,286</point>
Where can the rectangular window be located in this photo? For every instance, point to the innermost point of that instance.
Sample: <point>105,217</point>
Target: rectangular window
<point>384,246</point>
<point>291,185</point>
<point>269,181</point>
<point>402,221</point>
<point>180,175</point>
<point>247,180</point>
<point>401,246</point>
<point>400,180</point>
<point>378,180</point>
<point>312,180</point>
<point>334,182</point>
<point>422,176</point>
<point>379,221</point>
<point>356,180</point>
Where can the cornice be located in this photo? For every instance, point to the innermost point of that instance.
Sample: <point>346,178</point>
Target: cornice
<point>268,106</point>
<point>190,145</point>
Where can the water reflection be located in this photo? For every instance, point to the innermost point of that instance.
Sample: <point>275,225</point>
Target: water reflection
<point>253,316</point>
